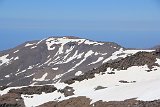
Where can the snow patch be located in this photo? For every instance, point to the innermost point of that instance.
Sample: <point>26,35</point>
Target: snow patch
<point>85,57</point>
<point>29,44</point>
<point>7,76</point>
<point>16,58</point>
<point>92,42</point>
<point>80,55</point>
<point>98,60</point>
<point>78,73</point>
<point>33,47</point>
<point>158,61</point>
<point>42,78</point>
<point>55,68</point>
<point>40,41</point>
<point>58,76</point>
<point>4,60</point>
<point>71,58</point>
<point>70,49</point>
<point>16,51</point>
<point>48,61</point>
<point>30,67</point>
<point>20,72</point>
<point>88,53</point>
<point>29,75</point>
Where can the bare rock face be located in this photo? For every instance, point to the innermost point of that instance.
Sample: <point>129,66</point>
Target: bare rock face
<point>11,100</point>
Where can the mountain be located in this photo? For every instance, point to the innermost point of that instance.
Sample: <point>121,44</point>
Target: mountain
<point>53,59</point>
<point>75,72</point>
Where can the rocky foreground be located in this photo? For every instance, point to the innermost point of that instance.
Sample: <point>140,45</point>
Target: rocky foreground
<point>15,100</point>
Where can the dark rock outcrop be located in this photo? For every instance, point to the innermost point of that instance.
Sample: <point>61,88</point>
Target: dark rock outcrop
<point>67,91</point>
<point>30,90</point>
<point>99,87</point>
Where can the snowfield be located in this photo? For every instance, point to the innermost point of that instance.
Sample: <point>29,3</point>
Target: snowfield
<point>145,85</point>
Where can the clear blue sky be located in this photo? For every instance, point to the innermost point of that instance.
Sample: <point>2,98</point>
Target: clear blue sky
<point>131,23</point>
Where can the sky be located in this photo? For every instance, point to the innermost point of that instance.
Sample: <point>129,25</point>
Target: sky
<point>130,23</point>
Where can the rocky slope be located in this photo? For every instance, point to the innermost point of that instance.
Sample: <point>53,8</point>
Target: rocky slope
<point>51,60</point>
<point>55,59</point>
